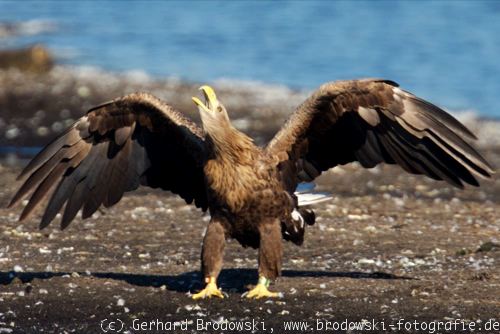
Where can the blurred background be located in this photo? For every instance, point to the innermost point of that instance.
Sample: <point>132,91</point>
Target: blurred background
<point>446,52</point>
<point>388,245</point>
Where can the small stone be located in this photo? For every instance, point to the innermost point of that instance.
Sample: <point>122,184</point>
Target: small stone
<point>65,113</point>
<point>366,261</point>
<point>83,91</point>
<point>487,247</point>
<point>42,131</point>
<point>12,133</point>
<point>57,126</point>
<point>371,229</point>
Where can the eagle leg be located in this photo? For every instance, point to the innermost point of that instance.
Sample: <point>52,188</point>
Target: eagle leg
<point>211,258</point>
<point>270,257</point>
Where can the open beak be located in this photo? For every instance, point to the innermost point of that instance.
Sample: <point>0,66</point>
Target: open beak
<point>211,101</point>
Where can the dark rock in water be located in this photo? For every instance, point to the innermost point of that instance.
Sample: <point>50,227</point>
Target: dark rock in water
<point>33,59</point>
<point>6,30</point>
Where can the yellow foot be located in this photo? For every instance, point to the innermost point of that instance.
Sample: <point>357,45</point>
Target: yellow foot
<point>261,291</point>
<point>210,290</point>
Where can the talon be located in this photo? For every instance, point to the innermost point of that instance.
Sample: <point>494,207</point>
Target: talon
<point>261,290</point>
<point>211,290</point>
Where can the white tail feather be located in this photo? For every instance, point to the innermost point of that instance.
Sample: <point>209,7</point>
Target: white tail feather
<point>311,198</point>
<point>307,196</point>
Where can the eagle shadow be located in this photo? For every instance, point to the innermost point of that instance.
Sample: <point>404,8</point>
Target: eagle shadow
<point>232,280</point>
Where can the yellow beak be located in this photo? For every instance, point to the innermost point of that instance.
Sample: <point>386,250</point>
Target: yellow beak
<point>211,101</point>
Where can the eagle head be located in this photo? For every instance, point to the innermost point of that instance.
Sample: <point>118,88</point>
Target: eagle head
<point>213,113</point>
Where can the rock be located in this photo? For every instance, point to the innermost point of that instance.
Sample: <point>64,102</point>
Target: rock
<point>488,246</point>
<point>18,269</point>
<point>35,59</point>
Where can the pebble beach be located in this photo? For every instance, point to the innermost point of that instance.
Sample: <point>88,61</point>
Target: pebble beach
<point>388,246</point>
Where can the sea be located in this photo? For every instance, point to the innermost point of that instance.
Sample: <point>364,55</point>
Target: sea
<point>445,51</point>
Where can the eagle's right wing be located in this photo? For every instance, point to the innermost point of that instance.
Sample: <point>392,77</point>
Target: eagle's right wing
<point>115,147</point>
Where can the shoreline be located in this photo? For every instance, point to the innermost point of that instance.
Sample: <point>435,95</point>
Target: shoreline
<point>38,106</point>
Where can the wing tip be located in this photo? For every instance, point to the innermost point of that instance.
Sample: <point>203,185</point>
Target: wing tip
<point>445,118</point>
<point>26,213</point>
<point>64,226</point>
<point>45,221</point>
<point>490,170</point>
<point>12,203</point>
<point>471,134</point>
<point>42,225</point>
<point>388,82</point>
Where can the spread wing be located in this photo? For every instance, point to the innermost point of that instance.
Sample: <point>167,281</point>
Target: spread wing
<point>131,141</point>
<point>373,121</point>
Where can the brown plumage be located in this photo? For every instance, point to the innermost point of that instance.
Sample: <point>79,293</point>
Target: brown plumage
<point>373,121</point>
<point>249,191</point>
<point>113,149</point>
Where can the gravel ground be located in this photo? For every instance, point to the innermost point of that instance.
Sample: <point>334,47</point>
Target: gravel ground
<point>389,246</point>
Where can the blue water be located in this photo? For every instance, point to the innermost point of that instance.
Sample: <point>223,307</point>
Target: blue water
<point>446,51</point>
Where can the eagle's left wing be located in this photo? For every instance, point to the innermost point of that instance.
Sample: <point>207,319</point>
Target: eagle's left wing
<point>373,121</point>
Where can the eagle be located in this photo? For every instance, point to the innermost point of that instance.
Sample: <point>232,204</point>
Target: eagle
<point>251,192</point>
